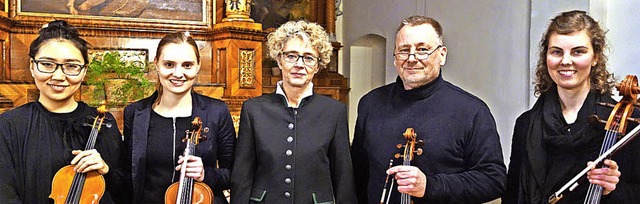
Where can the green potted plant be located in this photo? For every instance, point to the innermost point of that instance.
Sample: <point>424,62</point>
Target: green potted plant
<point>117,78</point>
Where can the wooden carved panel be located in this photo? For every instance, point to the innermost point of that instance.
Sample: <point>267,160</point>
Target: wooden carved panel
<point>247,68</point>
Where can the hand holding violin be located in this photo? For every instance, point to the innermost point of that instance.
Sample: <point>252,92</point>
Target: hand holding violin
<point>195,167</point>
<point>410,180</point>
<point>607,177</point>
<point>89,160</point>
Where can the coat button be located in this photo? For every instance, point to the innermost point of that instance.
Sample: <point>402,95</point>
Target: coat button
<point>287,194</point>
<point>287,167</point>
<point>290,126</point>
<point>289,152</point>
<point>287,180</point>
<point>289,139</point>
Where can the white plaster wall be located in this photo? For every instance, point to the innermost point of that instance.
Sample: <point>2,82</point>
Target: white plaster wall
<point>623,22</point>
<point>367,65</point>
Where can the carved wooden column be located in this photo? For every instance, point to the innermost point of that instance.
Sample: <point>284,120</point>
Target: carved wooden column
<point>237,56</point>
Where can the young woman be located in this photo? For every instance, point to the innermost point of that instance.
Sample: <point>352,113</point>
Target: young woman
<point>154,128</point>
<point>553,141</point>
<point>39,138</point>
<point>293,145</point>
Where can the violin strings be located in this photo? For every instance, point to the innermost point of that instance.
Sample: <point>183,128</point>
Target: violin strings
<point>595,191</point>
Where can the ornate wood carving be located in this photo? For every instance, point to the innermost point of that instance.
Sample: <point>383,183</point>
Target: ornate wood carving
<point>247,69</point>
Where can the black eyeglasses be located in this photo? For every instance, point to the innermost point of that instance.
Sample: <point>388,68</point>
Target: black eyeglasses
<point>69,69</point>
<point>293,57</point>
<point>419,55</point>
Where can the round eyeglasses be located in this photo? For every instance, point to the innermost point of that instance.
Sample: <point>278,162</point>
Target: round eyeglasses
<point>69,69</point>
<point>419,55</point>
<point>293,57</point>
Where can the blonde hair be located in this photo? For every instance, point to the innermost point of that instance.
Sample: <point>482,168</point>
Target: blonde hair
<point>310,33</point>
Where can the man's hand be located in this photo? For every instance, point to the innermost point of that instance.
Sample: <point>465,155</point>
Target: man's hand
<point>410,180</point>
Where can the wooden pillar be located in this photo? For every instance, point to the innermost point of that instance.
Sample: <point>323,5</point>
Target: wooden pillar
<point>237,57</point>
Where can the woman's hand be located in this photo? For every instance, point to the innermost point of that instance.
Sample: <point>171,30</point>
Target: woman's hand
<point>89,160</point>
<point>195,168</point>
<point>605,177</point>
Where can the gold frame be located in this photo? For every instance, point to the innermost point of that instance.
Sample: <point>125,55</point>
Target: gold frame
<point>30,19</point>
<point>5,12</point>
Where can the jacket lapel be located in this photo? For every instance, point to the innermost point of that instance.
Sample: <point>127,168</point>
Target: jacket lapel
<point>139,153</point>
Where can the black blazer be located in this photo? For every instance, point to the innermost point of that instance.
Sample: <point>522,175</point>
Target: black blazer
<point>293,155</point>
<point>218,148</point>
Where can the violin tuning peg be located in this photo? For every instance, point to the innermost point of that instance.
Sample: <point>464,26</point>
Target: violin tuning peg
<point>420,143</point>
<point>399,146</point>
<point>205,130</point>
<point>637,104</point>
<point>397,155</point>
<point>184,139</point>
<point>203,138</point>
<point>594,119</point>
<point>606,104</point>
<point>418,151</point>
<point>635,120</point>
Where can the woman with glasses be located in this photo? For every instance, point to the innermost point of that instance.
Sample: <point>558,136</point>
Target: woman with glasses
<point>154,128</point>
<point>293,145</point>
<point>39,138</point>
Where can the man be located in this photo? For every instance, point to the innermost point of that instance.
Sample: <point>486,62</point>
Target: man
<point>462,158</point>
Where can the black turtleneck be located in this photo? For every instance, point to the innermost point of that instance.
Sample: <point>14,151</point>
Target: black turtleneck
<point>462,156</point>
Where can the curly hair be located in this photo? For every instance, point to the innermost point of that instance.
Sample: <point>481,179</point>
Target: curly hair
<point>310,33</point>
<point>570,22</point>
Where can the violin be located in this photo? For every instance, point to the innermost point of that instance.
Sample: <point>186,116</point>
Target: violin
<point>186,190</point>
<point>411,147</point>
<point>615,127</point>
<point>71,187</point>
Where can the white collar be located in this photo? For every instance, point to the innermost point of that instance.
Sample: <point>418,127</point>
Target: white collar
<point>280,90</point>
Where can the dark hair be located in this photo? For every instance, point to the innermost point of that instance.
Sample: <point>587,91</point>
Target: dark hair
<point>59,30</point>
<point>570,22</point>
<point>419,20</point>
<point>174,38</point>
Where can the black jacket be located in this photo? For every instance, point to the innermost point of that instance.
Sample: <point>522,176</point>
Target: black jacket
<point>217,149</point>
<point>530,156</point>
<point>293,155</point>
<point>36,143</point>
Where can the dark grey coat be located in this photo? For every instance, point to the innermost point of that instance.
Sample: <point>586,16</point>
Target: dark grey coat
<point>293,155</point>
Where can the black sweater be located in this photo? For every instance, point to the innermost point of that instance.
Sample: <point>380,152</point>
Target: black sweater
<point>462,156</point>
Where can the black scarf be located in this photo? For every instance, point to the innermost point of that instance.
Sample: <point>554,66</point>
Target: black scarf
<point>555,149</point>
